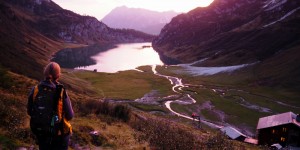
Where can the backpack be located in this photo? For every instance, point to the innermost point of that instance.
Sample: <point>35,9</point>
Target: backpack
<point>45,120</point>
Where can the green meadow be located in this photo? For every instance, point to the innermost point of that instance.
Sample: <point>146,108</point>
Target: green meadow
<point>124,85</point>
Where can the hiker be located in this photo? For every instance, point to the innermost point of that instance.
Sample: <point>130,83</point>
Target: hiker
<point>193,115</point>
<point>199,121</point>
<point>50,109</point>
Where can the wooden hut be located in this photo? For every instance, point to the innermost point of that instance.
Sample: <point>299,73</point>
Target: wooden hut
<point>283,129</point>
<point>234,134</point>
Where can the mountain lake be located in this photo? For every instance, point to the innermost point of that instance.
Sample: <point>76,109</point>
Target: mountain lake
<point>110,59</point>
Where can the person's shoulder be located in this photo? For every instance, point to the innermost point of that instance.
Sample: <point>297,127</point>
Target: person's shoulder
<point>60,86</point>
<point>47,83</point>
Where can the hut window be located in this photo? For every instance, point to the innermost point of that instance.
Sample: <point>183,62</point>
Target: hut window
<point>282,139</point>
<point>273,131</point>
<point>284,129</point>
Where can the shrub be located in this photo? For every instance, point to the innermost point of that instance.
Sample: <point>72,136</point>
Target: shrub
<point>121,112</point>
<point>117,111</point>
<point>99,140</point>
<point>6,143</point>
<point>83,137</point>
<point>5,80</point>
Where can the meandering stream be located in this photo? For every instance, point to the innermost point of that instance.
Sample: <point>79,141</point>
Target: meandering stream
<point>177,84</point>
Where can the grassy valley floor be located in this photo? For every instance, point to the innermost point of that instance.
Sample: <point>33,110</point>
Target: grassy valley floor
<point>227,98</point>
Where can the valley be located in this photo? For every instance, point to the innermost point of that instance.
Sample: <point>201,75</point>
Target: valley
<point>209,99</point>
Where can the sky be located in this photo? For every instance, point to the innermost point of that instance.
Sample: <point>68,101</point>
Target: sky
<point>100,8</point>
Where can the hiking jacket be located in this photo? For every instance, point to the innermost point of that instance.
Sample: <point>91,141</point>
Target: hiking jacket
<point>67,106</point>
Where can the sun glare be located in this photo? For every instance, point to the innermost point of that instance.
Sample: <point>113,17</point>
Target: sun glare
<point>100,8</point>
<point>166,5</point>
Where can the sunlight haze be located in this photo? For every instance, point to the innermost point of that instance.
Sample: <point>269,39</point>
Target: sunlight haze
<point>100,8</point>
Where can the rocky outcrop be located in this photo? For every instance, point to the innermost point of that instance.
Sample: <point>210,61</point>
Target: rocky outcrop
<point>231,32</point>
<point>60,24</point>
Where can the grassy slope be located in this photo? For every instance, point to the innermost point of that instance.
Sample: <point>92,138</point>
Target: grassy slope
<point>14,125</point>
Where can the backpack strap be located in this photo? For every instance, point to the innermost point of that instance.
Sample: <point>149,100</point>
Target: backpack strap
<point>66,126</point>
<point>35,92</point>
<point>60,103</point>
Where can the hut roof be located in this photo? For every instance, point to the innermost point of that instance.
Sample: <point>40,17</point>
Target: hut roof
<point>276,120</point>
<point>232,132</point>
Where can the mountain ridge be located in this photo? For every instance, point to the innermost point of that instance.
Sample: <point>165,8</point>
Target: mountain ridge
<point>144,20</point>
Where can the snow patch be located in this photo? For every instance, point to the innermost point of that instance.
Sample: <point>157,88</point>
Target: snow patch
<point>65,36</point>
<point>39,2</point>
<point>283,17</point>
<point>271,4</point>
<point>196,71</point>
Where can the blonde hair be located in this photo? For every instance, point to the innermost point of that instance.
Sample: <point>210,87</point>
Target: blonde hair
<point>52,71</point>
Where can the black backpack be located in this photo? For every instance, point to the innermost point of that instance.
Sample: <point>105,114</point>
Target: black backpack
<point>44,118</point>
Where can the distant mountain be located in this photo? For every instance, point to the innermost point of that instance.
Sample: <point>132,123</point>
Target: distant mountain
<point>32,30</point>
<point>233,32</point>
<point>147,21</point>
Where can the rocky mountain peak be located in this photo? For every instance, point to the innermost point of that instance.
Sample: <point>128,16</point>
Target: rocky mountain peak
<point>144,20</point>
<point>228,26</point>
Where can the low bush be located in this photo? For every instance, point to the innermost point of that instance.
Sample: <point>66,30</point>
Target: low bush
<point>6,143</point>
<point>83,137</point>
<point>99,140</point>
<point>117,111</point>
<point>5,80</point>
<point>122,112</point>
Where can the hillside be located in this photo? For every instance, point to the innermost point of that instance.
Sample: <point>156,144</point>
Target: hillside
<point>147,21</point>
<point>232,32</point>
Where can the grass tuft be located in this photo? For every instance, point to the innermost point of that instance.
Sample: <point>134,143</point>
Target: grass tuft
<point>5,80</point>
<point>7,143</point>
<point>118,111</point>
